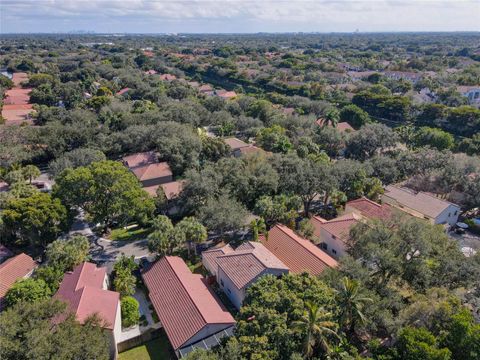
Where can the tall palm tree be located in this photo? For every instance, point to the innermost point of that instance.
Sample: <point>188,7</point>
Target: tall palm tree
<point>351,303</point>
<point>316,326</point>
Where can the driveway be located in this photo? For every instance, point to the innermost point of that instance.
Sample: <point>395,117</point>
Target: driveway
<point>105,251</point>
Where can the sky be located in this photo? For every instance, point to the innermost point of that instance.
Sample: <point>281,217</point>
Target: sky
<point>237,16</point>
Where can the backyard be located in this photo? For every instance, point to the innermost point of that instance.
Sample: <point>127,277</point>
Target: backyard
<point>156,349</point>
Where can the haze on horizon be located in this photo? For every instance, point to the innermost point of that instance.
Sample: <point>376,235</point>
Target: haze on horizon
<point>237,16</point>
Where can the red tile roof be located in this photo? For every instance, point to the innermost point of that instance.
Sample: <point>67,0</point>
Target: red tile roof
<point>150,72</point>
<point>299,254</point>
<point>140,159</point>
<point>173,189</point>
<point>167,77</point>
<point>341,126</point>
<point>152,171</point>
<point>19,77</point>
<point>339,227</point>
<point>227,94</point>
<point>14,269</point>
<point>17,96</point>
<point>82,289</point>
<point>183,301</point>
<point>123,91</point>
<point>209,257</point>
<point>246,262</point>
<point>370,209</point>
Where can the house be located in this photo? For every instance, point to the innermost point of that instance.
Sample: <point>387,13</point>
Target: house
<point>334,234</point>
<point>421,205</point>
<point>17,96</point>
<point>236,270</point>
<point>403,75</point>
<point>343,127</point>
<point>17,114</point>
<point>167,77</point>
<point>297,253</point>
<point>150,72</point>
<point>123,91</point>
<point>206,88</point>
<point>224,94</point>
<point>19,78</point>
<point>16,268</point>
<point>153,174</point>
<point>148,170</point>
<point>369,209</point>
<point>240,147</point>
<point>470,92</point>
<point>85,291</point>
<point>171,189</point>
<point>190,312</point>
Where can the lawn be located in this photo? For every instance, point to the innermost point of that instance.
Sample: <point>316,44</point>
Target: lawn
<point>129,234</point>
<point>157,349</point>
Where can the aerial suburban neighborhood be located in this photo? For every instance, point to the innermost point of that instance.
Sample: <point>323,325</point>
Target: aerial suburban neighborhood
<point>239,191</point>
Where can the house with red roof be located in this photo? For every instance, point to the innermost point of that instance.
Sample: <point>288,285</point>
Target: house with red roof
<point>369,209</point>
<point>148,170</point>
<point>343,127</point>
<point>297,253</point>
<point>190,312</point>
<point>16,268</point>
<point>16,109</point>
<point>224,94</point>
<point>85,290</point>
<point>236,270</point>
<point>167,77</point>
<point>334,234</point>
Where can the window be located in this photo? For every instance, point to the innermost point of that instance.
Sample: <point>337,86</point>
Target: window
<point>229,291</point>
<point>324,246</point>
<point>221,282</point>
<point>456,212</point>
<point>334,251</point>
<point>334,237</point>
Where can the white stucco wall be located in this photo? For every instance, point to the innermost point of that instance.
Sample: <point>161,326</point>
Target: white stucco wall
<point>335,246</point>
<point>235,295</point>
<point>448,216</point>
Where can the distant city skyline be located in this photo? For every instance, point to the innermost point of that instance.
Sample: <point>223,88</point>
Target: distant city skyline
<point>235,16</point>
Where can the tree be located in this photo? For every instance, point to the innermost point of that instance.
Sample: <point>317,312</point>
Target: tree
<point>355,116</point>
<point>67,254</point>
<point>436,138</point>
<point>194,232</point>
<point>161,240</point>
<point>107,191</point>
<point>258,227</point>
<point>74,159</point>
<point>332,116</point>
<point>279,208</point>
<point>26,332</point>
<point>370,140</point>
<point>222,214</point>
<point>27,290</point>
<point>271,306</point>
<point>274,139</point>
<point>51,275</point>
<point>30,172</point>
<point>316,327</point>
<point>351,303</point>
<point>130,311</point>
<point>124,282</point>
<point>38,218</point>
<point>419,344</point>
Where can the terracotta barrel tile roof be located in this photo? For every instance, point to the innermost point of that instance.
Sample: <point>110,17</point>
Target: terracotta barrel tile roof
<point>370,209</point>
<point>183,301</point>
<point>140,159</point>
<point>152,171</point>
<point>299,254</point>
<point>82,289</point>
<point>14,269</point>
<point>339,227</point>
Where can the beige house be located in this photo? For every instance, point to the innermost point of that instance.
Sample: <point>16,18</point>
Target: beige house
<point>422,205</point>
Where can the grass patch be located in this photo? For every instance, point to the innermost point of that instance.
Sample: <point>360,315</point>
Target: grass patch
<point>157,349</point>
<point>131,234</point>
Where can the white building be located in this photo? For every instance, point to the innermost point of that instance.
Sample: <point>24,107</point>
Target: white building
<point>421,205</point>
<point>236,270</point>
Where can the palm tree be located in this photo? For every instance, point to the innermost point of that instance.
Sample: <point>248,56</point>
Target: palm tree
<point>316,326</point>
<point>351,303</point>
<point>258,227</point>
<point>332,117</point>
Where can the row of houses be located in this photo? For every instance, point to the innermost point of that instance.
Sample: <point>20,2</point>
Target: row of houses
<point>16,108</point>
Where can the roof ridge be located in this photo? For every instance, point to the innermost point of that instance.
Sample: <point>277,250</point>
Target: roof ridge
<point>183,285</point>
